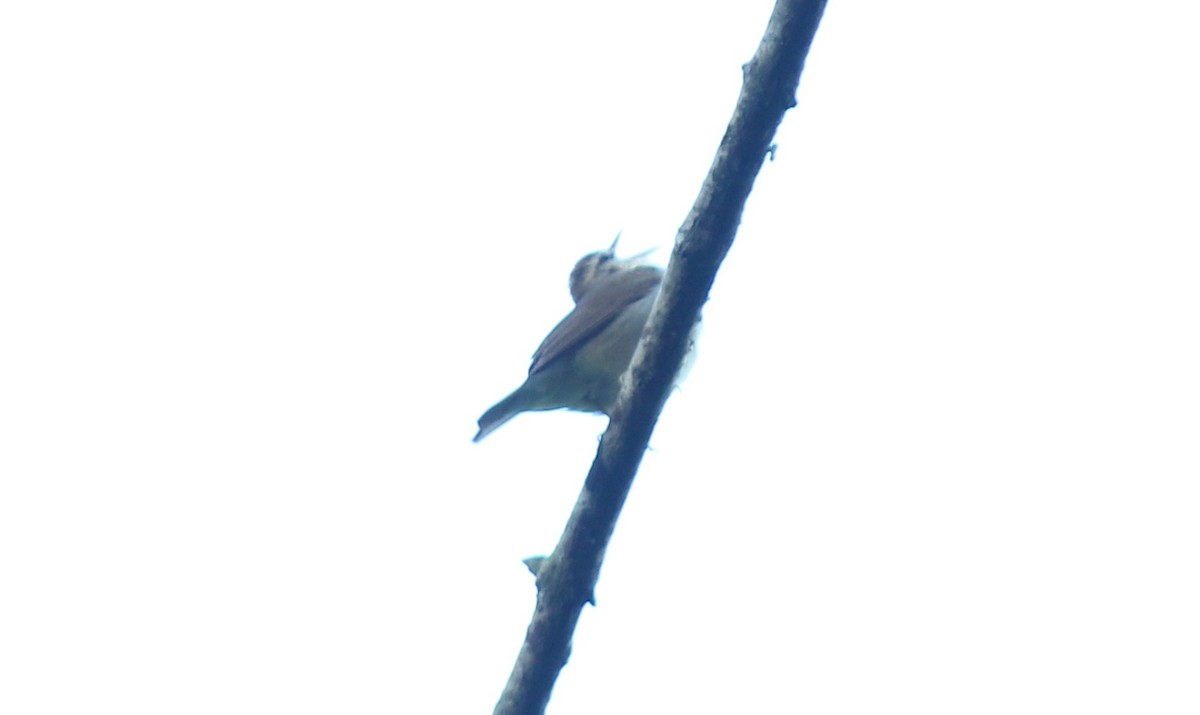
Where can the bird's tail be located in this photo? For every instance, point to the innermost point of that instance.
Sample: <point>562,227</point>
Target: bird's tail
<point>501,412</point>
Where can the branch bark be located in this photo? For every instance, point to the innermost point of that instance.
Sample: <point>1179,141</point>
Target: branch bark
<point>566,580</point>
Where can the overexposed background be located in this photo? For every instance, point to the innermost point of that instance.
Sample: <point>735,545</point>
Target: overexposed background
<point>263,264</point>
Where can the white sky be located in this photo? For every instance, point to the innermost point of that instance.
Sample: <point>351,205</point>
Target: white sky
<point>263,264</point>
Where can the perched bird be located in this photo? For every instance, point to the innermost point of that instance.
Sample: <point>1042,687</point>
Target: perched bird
<point>579,364</point>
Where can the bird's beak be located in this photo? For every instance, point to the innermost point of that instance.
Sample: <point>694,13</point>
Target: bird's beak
<point>642,255</point>
<point>612,251</point>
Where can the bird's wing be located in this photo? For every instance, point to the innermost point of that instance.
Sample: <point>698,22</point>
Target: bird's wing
<point>596,309</point>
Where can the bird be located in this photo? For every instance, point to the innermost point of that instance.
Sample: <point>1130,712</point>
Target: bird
<point>579,364</point>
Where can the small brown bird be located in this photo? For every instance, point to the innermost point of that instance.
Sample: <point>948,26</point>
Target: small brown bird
<point>579,364</point>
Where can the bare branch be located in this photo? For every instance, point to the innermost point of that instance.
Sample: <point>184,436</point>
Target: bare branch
<point>566,580</point>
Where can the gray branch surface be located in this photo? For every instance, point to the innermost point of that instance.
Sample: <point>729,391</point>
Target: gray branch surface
<point>567,579</point>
